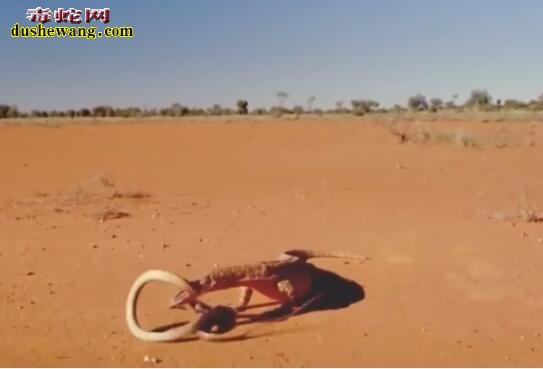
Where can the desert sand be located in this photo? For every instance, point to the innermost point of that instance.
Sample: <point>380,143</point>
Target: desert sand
<point>453,234</point>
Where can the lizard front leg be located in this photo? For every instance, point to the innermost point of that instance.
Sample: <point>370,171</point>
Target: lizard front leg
<point>244,298</point>
<point>286,296</point>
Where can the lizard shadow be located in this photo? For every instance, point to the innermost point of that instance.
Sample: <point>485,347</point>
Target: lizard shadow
<point>334,291</point>
<point>329,291</point>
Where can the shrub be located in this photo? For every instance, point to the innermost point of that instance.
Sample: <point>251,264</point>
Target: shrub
<point>8,111</point>
<point>214,110</point>
<point>361,107</point>
<point>417,102</point>
<point>535,105</point>
<point>179,110</point>
<point>479,99</point>
<point>243,106</point>
<point>197,111</point>
<point>298,109</point>
<point>397,108</point>
<point>514,104</point>
<point>128,112</point>
<point>259,111</point>
<point>436,103</point>
<point>175,110</point>
<point>103,111</point>
<point>450,104</point>
<point>84,112</point>
<point>39,114</point>
<point>278,111</point>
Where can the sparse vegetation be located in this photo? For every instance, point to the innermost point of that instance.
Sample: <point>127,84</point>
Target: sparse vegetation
<point>479,100</point>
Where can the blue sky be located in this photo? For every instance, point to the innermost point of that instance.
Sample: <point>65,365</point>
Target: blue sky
<point>203,52</point>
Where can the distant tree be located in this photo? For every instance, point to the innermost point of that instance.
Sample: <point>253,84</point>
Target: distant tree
<point>417,102</point>
<point>129,112</point>
<point>479,99</point>
<point>361,107</point>
<point>3,111</point>
<point>536,105</point>
<point>436,103</point>
<point>298,110</point>
<point>243,106</point>
<point>259,111</point>
<point>278,111</point>
<point>103,111</point>
<point>282,96</point>
<point>397,108</point>
<point>84,112</point>
<point>340,104</point>
<point>179,110</point>
<point>8,111</point>
<point>216,109</point>
<point>150,112</point>
<point>450,104</point>
<point>514,104</point>
<point>39,114</point>
<point>310,103</point>
<point>197,111</point>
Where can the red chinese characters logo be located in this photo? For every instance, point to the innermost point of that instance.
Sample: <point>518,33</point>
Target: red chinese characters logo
<point>71,15</point>
<point>39,14</point>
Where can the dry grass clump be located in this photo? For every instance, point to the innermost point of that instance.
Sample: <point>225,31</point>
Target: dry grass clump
<point>419,134</point>
<point>526,212</point>
<point>130,195</point>
<point>111,214</point>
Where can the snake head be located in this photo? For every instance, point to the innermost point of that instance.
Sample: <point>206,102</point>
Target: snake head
<point>181,298</point>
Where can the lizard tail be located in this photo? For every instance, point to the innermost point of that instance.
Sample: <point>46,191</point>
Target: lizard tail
<point>172,334</point>
<point>303,255</point>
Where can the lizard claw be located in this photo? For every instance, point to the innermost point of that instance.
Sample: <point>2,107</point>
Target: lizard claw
<point>183,297</point>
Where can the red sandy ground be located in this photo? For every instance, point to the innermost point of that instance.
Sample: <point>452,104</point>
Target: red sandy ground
<point>453,281</point>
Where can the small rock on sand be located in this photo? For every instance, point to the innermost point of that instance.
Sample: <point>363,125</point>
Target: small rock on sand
<point>151,359</point>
